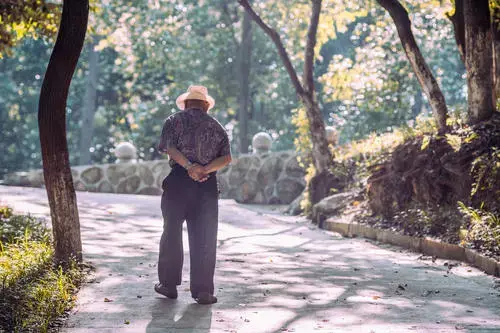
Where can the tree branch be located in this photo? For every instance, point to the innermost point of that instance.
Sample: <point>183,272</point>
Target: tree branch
<point>275,37</point>
<point>311,44</point>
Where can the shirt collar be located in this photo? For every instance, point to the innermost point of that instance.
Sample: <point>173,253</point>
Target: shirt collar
<point>195,109</point>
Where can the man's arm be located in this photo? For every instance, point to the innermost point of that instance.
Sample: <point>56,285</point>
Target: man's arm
<point>217,164</point>
<point>196,171</point>
<point>178,157</point>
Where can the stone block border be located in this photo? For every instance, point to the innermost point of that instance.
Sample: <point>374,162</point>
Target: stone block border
<point>426,246</point>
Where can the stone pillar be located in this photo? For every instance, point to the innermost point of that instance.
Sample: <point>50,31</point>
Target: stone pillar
<point>261,143</point>
<point>126,152</point>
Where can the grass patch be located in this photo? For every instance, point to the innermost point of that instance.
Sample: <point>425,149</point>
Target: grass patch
<point>34,293</point>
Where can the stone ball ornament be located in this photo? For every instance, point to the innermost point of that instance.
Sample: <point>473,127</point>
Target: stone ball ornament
<point>125,152</point>
<point>262,142</point>
<point>331,135</point>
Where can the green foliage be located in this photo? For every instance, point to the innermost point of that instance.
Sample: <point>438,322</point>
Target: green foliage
<point>19,227</point>
<point>373,87</point>
<point>30,283</point>
<point>5,212</point>
<point>483,232</point>
<point>23,259</point>
<point>26,19</point>
<point>376,146</point>
<point>486,171</point>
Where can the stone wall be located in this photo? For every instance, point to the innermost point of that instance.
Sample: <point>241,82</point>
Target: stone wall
<point>266,178</point>
<point>130,178</point>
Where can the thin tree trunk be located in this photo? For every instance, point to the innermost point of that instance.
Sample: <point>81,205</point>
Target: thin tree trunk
<point>322,156</point>
<point>52,124</point>
<point>324,180</point>
<point>479,60</point>
<point>275,37</point>
<point>459,27</point>
<point>245,63</point>
<point>89,106</point>
<point>422,71</point>
<point>495,27</point>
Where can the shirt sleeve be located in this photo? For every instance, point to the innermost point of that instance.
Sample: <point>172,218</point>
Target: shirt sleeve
<point>168,137</point>
<point>225,147</point>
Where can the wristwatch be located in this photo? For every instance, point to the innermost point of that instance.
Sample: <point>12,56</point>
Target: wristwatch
<point>188,165</point>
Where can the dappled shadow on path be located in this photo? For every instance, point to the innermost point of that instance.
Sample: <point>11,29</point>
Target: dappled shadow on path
<point>276,275</point>
<point>171,315</point>
<point>273,274</point>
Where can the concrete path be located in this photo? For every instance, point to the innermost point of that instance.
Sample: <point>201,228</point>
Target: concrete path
<point>274,274</point>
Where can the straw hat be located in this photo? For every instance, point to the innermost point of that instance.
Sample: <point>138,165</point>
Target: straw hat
<point>195,92</point>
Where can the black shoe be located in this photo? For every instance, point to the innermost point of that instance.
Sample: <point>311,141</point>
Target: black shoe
<point>205,298</point>
<point>170,292</point>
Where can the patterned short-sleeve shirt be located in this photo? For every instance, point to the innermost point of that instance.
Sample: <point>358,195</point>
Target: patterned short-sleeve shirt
<point>196,134</point>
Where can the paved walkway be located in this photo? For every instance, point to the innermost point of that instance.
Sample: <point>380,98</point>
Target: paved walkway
<point>274,274</point>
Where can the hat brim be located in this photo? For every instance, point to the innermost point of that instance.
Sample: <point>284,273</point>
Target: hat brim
<point>181,100</point>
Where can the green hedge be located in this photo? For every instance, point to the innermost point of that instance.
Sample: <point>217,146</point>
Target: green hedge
<point>33,291</point>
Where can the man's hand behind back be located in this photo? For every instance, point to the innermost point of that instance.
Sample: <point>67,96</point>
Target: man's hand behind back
<point>197,173</point>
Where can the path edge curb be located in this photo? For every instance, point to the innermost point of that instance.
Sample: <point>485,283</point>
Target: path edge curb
<point>426,245</point>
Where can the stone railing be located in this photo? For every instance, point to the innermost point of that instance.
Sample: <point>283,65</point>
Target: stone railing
<point>263,178</point>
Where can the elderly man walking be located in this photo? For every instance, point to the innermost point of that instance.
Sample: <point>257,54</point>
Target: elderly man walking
<point>198,146</point>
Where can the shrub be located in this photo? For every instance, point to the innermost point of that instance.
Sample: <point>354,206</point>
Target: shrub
<point>17,227</point>
<point>30,283</point>
<point>483,231</point>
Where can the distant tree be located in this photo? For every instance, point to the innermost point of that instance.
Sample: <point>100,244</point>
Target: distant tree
<point>89,105</point>
<point>424,75</point>
<point>52,125</point>
<point>245,59</point>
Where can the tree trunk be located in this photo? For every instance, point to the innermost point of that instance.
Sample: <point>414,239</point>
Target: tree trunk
<point>495,27</point>
<point>89,106</point>
<point>322,156</point>
<point>458,26</point>
<point>323,180</point>
<point>52,124</point>
<point>479,60</point>
<point>422,71</point>
<point>245,63</point>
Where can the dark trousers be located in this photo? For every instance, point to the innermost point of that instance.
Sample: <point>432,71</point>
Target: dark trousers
<point>197,203</point>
